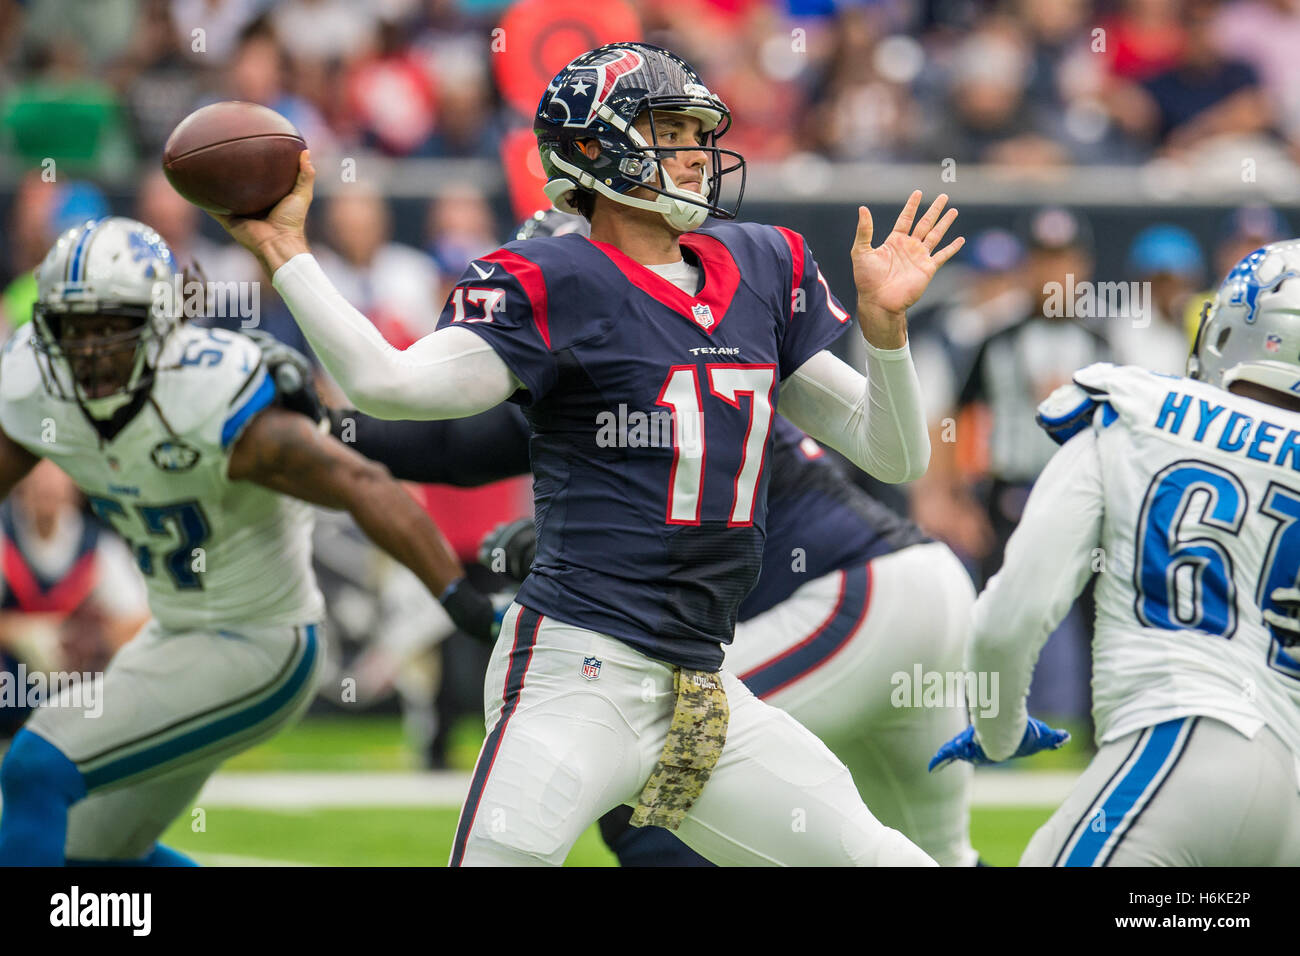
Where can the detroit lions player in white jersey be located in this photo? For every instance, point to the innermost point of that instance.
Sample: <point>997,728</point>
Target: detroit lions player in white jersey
<point>1185,493</point>
<point>170,432</point>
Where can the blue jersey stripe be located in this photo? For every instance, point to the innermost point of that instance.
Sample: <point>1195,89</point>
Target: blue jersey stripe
<point>261,397</point>
<point>230,725</point>
<point>1132,793</point>
<point>816,649</point>
<point>527,624</point>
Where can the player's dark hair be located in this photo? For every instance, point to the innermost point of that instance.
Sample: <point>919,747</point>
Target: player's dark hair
<point>585,203</point>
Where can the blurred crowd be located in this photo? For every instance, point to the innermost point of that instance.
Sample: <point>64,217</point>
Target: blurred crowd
<point>98,84</point>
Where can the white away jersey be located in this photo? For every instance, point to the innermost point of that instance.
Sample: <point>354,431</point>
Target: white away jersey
<point>1186,499</point>
<point>214,553</point>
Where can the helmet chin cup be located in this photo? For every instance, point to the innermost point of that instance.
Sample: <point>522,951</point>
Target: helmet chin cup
<point>104,408</point>
<point>684,216</point>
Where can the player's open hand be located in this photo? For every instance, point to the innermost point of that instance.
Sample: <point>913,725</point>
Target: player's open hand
<point>892,276</point>
<point>281,234</point>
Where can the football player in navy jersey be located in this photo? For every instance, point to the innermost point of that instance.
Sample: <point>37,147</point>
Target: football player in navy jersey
<point>607,686</point>
<point>850,597</point>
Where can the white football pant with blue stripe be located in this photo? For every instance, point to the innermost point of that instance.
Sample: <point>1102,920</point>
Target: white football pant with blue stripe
<point>175,705</point>
<point>1185,792</point>
<point>848,655</point>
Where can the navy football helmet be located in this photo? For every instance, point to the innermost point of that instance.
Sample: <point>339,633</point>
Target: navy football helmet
<point>599,96</point>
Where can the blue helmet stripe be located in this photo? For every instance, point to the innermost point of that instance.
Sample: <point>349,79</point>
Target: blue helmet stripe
<point>74,264</point>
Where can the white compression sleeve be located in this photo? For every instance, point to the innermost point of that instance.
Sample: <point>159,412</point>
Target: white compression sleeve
<point>877,422</point>
<point>1047,563</point>
<point>450,373</point>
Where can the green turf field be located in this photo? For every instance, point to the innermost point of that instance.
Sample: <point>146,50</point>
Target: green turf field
<point>422,836</point>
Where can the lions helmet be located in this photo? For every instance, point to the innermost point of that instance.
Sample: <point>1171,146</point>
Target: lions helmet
<point>1251,330</point>
<point>103,312</point>
<point>598,97</point>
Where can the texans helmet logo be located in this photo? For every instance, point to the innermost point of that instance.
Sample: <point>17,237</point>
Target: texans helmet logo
<point>582,90</point>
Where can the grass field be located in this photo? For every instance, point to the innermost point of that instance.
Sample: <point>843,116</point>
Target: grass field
<point>371,751</point>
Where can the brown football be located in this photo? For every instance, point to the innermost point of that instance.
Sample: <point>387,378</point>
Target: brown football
<point>233,157</point>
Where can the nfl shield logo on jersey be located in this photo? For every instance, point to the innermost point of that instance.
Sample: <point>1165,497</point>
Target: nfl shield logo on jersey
<point>591,667</point>
<point>703,315</point>
<point>174,455</point>
<point>1273,343</point>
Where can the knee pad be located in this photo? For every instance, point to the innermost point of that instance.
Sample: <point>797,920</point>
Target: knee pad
<point>33,765</point>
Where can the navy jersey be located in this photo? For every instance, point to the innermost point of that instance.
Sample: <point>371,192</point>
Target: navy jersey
<point>466,452</point>
<point>651,417</point>
<point>818,521</point>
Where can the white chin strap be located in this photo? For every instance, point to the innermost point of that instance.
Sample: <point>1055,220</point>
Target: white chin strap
<point>106,406</point>
<point>683,215</point>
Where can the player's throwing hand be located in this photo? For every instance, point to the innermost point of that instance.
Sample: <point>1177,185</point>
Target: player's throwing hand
<point>892,276</point>
<point>281,235</point>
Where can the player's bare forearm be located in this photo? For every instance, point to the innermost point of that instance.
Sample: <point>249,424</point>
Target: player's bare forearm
<point>15,463</point>
<point>283,451</point>
<point>883,329</point>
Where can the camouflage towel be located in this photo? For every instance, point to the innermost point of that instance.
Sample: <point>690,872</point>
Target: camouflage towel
<point>695,740</point>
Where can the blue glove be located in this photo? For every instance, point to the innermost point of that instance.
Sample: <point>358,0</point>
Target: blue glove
<point>1038,736</point>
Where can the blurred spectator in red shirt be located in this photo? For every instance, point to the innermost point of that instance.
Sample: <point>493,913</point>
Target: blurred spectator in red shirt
<point>390,97</point>
<point>1145,38</point>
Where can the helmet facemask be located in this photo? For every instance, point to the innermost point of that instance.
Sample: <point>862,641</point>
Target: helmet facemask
<point>100,358</point>
<point>642,166</point>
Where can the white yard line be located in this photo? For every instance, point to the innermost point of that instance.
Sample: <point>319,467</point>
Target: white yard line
<point>308,791</point>
<point>1022,788</point>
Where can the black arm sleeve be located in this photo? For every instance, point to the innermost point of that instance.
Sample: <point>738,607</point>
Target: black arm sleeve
<point>464,451</point>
